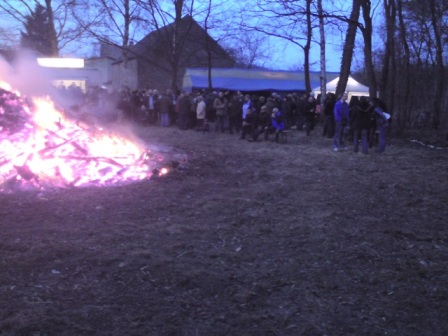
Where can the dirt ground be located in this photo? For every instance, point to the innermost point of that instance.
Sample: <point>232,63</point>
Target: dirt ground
<point>240,239</point>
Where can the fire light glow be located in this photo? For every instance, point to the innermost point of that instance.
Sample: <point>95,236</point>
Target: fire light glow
<point>41,148</point>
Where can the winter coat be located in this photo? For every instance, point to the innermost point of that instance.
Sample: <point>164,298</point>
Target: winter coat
<point>342,112</point>
<point>277,121</point>
<point>220,105</point>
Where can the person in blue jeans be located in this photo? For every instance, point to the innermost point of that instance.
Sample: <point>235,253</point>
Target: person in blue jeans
<point>341,119</point>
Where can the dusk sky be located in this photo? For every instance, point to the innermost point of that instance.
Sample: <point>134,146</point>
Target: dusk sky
<point>283,55</point>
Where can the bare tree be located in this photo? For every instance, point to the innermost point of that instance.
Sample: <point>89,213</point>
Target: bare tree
<point>422,40</point>
<point>367,31</point>
<point>290,21</point>
<point>323,68</point>
<point>113,24</point>
<point>403,117</point>
<point>123,25</point>
<point>207,44</point>
<point>64,29</point>
<point>212,16</point>
<point>307,46</point>
<point>249,48</point>
<point>436,11</point>
<point>389,61</point>
<point>181,37</point>
<point>347,54</point>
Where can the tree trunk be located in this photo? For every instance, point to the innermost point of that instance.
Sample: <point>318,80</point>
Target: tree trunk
<point>387,91</point>
<point>349,46</point>
<point>52,33</point>
<point>440,71</point>
<point>208,47</point>
<point>307,47</point>
<point>403,117</point>
<point>178,5</point>
<point>125,41</point>
<point>368,56</point>
<point>323,68</point>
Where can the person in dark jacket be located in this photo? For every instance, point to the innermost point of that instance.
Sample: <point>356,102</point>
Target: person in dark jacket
<point>249,124</point>
<point>263,124</point>
<point>164,108</point>
<point>329,103</point>
<point>211,112</point>
<point>235,115</point>
<point>220,105</point>
<point>360,116</point>
<point>183,109</point>
<point>287,109</point>
<point>309,114</point>
<point>152,103</point>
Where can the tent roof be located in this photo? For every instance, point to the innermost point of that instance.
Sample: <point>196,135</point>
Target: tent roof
<point>250,79</point>
<point>352,86</point>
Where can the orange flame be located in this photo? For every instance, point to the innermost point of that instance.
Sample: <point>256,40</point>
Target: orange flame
<point>51,150</point>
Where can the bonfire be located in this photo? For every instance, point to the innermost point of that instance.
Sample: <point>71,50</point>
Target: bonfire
<point>41,148</point>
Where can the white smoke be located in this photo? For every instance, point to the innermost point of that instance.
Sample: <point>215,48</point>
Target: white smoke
<point>26,76</point>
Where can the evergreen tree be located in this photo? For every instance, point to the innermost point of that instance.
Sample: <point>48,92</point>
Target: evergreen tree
<point>38,35</point>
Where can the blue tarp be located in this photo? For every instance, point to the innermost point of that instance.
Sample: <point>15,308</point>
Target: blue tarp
<point>251,79</point>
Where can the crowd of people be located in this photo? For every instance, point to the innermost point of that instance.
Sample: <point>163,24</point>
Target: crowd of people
<point>253,117</point>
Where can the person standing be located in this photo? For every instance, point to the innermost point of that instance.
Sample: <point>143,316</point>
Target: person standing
<point>211,113</point>
<point>220,106</point>
<point>200,113</point>
<point>165,107</point>
<point>249,124</point>
<point>247,106</point>
<point>341,118</point>
<point>309,114</point>
<point>300,111</point>
<point>263,124</point>
<point>381,119</point>
<point>329,103</point>
<point>235,120</point>
<point>361,122</point>
<point>152,100</point>
<point>183,108</point>
<point>288,111</point>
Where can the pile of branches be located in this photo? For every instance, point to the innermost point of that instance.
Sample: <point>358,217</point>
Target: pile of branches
<point>66,141</point>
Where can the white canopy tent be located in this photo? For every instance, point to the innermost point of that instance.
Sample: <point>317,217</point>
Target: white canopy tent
<point>353,88</point>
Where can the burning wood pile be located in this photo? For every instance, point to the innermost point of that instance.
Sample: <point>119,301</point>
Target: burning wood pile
<point>40,148</point>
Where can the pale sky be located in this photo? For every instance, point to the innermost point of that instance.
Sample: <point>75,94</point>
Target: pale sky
<point>286,56</point>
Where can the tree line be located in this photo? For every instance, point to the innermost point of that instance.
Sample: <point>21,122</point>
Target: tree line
<point>402,43</point>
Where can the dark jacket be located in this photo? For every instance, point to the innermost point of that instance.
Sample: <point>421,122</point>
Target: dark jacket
<point>264,120</point>
<point>164,104</point>
<point>330,101</point>
<point>309,110</point>
<point>361,116</point>
<point>184,105</point>
<point>251,120</point>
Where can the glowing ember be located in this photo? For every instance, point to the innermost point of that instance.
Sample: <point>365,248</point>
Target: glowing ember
<point>39,147</point>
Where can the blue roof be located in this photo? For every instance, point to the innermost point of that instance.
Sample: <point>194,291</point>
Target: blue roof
<point>251,79</point>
